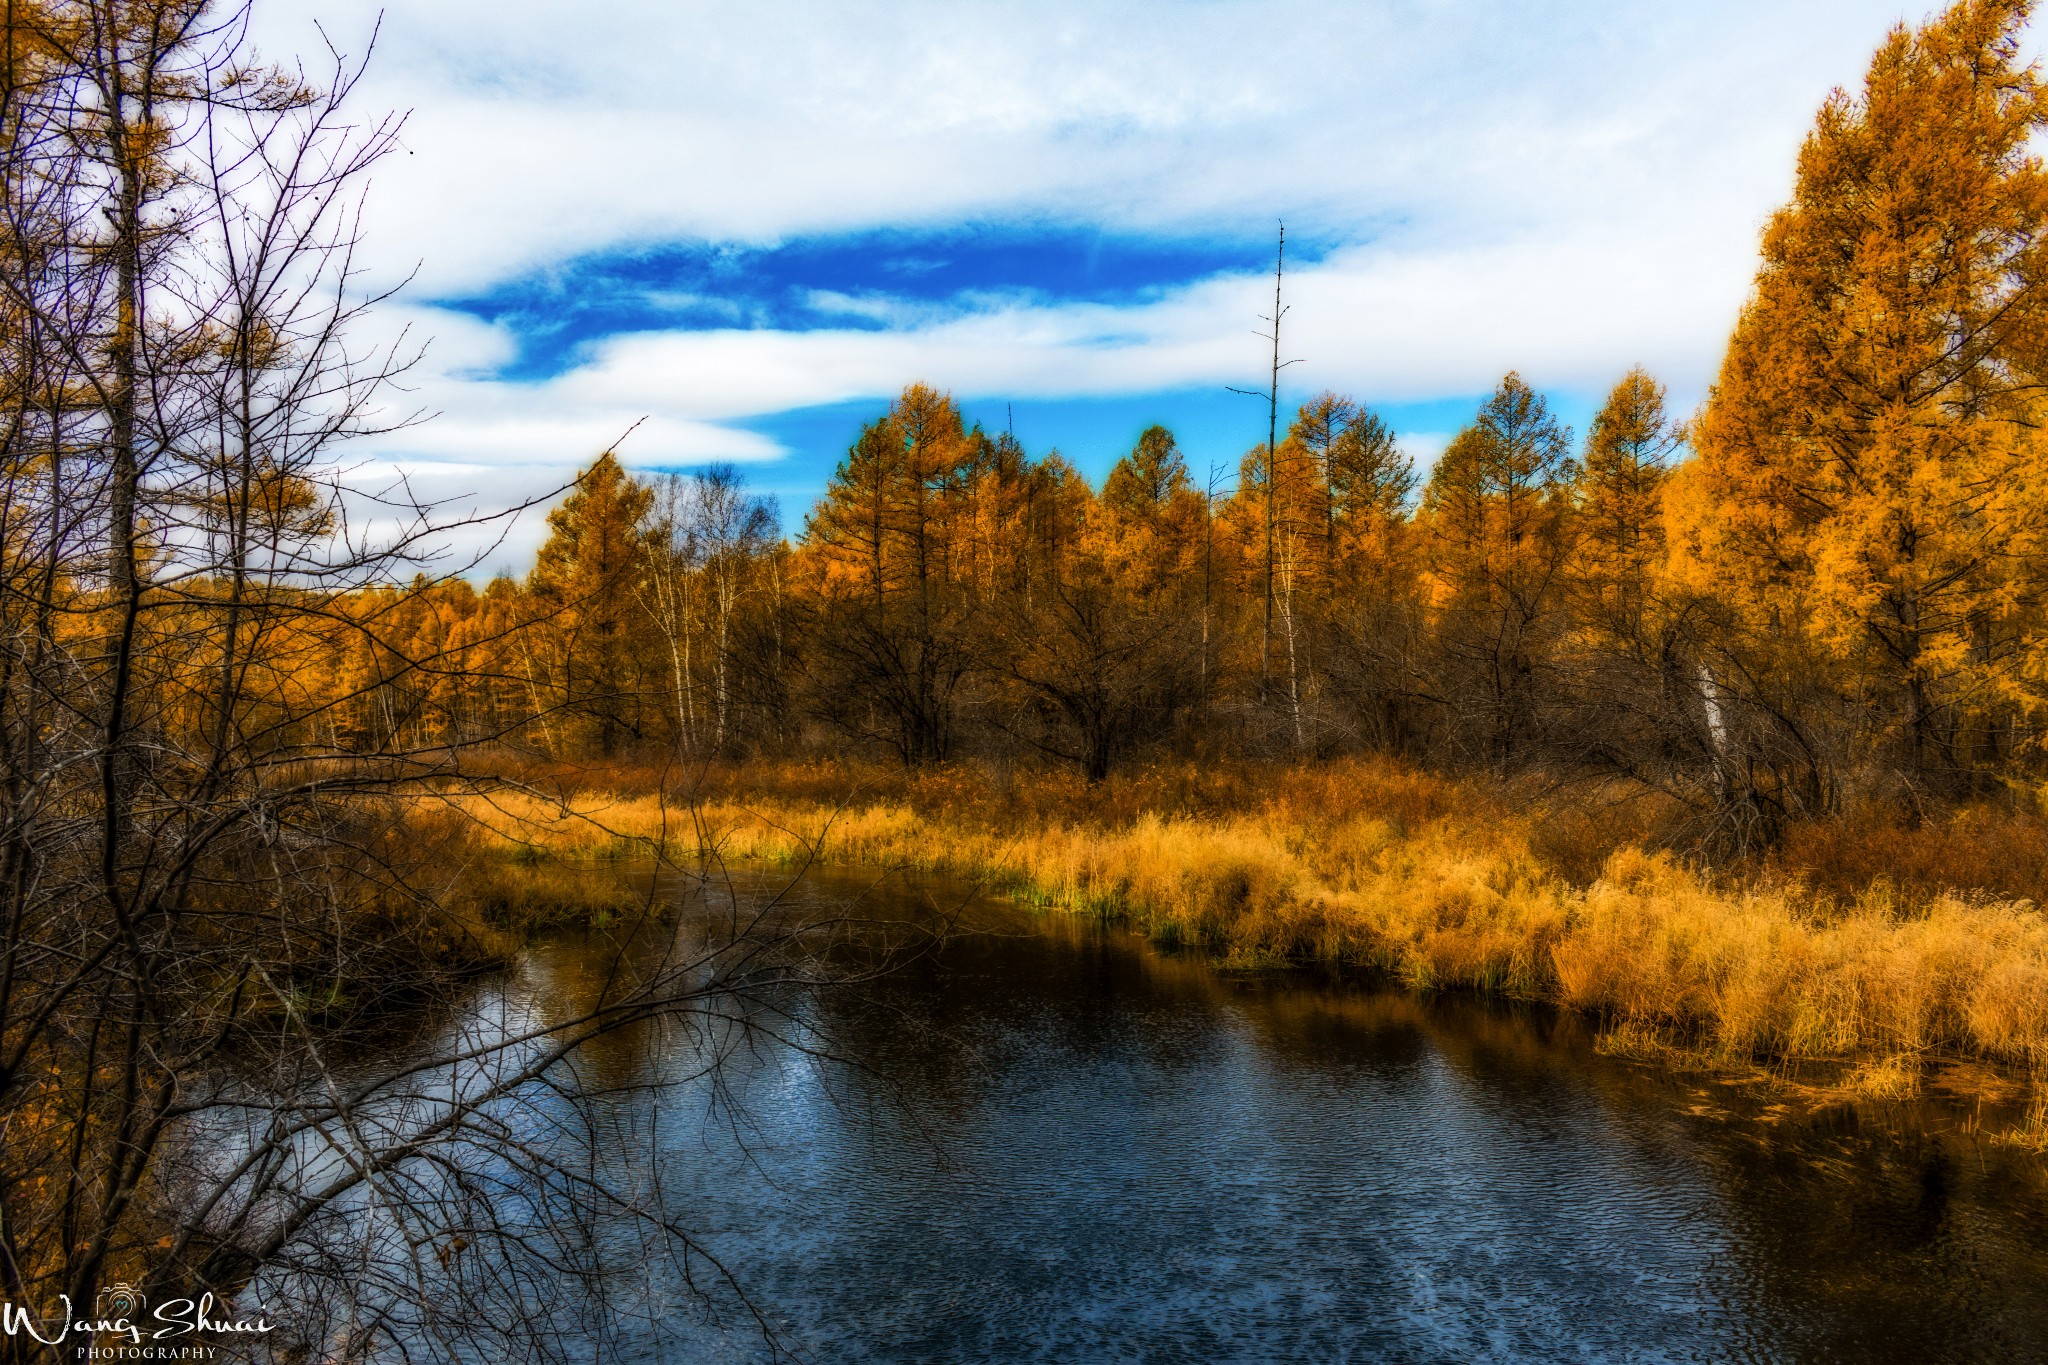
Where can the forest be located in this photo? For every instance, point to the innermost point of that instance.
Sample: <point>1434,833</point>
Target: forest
<point>1822,589</point>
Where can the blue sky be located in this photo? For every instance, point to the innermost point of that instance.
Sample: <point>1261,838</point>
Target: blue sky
<point>870,280</point>
<point>745,227</point>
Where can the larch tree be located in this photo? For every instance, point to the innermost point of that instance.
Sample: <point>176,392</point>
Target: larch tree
<point>1869,478</point>
<point>587,574</point>
<point>1320,427</point>
<point>888,540</point>
<point>1370,620</point>
<point>1369,475</point>
<point>1144,481</point>
<point>1149,512</point>
<point>1640,699</point>
<point>1621,543</point>
<point>1454,504</point>
<point>1105,654</point>
<point>1498,510</point>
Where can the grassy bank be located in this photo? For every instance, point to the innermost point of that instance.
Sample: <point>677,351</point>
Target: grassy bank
<point>1438,883</point>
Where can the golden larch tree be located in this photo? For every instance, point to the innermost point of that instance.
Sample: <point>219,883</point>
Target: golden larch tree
<point>584,578</point>
<point>1868,476</point>
<point>1621,543</point>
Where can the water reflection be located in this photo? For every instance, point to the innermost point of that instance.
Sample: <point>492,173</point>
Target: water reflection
<point>1072,1147</point>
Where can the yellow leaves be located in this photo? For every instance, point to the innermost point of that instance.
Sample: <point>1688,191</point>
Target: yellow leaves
<point>594,537</point>
<point>263,505</point>
<point>1454,507</point>
<point>264,87</point>
<point>892,510</point>
<point>1620,547</point>
<point>1497,503</point>
<point>1146,529</point>
<point>1867,469</point>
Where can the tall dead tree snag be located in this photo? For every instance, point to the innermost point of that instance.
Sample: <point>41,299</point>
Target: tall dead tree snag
<point>1267,467</point>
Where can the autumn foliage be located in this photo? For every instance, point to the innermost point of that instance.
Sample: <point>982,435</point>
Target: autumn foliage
<point>1868,498</point>
<point>1823,588</point>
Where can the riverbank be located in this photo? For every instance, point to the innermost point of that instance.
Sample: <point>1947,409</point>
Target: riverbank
<point>1439,884</point>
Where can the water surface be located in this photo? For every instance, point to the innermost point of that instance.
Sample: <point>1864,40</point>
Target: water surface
<point>1073,1147</point>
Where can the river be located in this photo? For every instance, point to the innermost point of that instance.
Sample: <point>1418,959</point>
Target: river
<point>1073,1147</point>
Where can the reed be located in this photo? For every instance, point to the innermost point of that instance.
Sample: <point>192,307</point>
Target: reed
<point>1437,883</point>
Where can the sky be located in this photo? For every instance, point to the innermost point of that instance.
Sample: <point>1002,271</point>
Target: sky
<point>745,227</point>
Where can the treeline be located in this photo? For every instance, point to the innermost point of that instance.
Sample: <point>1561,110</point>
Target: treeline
<point>951,595</point>
<point>1523,607</point>
<point>1830,578</point>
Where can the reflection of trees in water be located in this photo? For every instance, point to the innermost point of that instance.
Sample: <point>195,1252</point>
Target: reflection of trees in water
<point>1830,1233</point>
<point>1867,1239</point>
<point>1860,1232</point>
<point>808,1115</point>
<point>496,1185</point>
<point>445,1194</point>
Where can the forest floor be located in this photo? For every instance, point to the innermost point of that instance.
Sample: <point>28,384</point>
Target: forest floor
<point>1881,945</point>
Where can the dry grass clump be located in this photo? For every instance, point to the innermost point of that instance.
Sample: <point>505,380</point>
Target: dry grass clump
<point>2030,1133</point>
<point>512,865</point>
<point>1896,1077</point>
<point>533,894</point>
<point>1636,1041</point>
<point>1766,971</point>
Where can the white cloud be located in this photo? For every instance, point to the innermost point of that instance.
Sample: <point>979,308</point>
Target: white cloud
<point>1566,187</point>
<point>1398,326</point>
<point>1425,448</point>
<point>543,128</point>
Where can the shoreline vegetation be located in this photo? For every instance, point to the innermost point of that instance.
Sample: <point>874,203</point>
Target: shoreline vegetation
<point>1437,883</point>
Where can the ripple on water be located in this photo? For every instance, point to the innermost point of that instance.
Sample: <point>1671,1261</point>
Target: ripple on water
<point>1102,1154</point>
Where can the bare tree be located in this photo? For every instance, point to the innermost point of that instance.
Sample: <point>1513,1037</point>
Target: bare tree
<point>1267,471</point>
<point>212,887</point>
<point>668,593</point>
<point>713,542</point>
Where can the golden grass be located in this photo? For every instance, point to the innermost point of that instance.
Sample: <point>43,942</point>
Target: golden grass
<point>2031,1132</point>
<point>1896,1077</point>
<point>522,896</point>
<point>1437,883</point>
